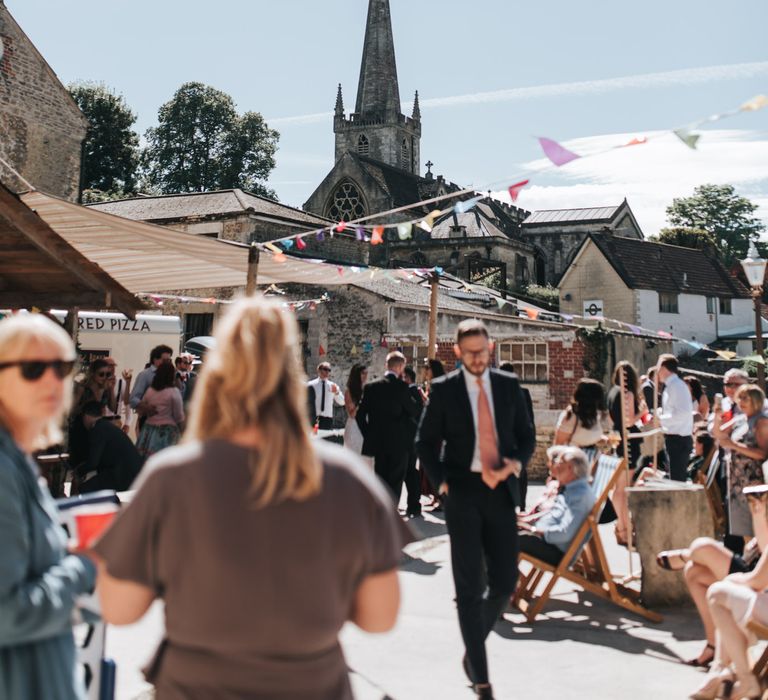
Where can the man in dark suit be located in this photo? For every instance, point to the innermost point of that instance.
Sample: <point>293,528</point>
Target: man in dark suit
<point>385,418</point>
<point>412,476</point>
<point>474,438</point>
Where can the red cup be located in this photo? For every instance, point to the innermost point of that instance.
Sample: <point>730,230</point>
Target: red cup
<point>92,521</point>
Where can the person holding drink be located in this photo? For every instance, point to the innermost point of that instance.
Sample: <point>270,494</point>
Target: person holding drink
<point>39,581</point>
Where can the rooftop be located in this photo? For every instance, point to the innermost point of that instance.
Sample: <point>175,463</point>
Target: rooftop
<point>581,216</point>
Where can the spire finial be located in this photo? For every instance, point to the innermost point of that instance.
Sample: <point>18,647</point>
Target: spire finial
<point>416,109</point>
<point>339,111</point>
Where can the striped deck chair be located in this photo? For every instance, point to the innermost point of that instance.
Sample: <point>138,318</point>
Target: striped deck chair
<point>714,496</point>
<point>585,562</point>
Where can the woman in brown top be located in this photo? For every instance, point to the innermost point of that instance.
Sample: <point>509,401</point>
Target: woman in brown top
<point>261,543</point>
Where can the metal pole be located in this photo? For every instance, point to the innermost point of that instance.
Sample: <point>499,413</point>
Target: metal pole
<point>757,294</point>
<point>655,417</point>
<point>434,283</point>
<point>253,270</point>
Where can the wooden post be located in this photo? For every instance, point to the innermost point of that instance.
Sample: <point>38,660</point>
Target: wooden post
<point>625,441</point>
<point>434,283</point>
<point>70,323</point>
<point>655,417</point>
<point>253,270</point>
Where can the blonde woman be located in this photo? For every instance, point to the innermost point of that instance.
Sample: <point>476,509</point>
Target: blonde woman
<point>39,581</point>
<point>261,542</point>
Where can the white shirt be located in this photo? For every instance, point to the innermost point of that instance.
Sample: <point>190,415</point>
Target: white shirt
<point>676,412</point>
<point>327,410</point>
<point>474,391</point>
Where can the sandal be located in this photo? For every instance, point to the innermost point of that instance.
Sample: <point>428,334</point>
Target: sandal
<point>665,559</point>
<point>708,653</point>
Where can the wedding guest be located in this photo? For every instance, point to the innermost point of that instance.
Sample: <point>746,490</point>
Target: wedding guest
<point>323,394</point>
<point>292,537</point>
<point>699,399</point>
<point>583,422</point>
<point>95,386</point>
<point>163,405</point>
<point>39,581</point>
<point>675,416</point>
<point>353,438</point>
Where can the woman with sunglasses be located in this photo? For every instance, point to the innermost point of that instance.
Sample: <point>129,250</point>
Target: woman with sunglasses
<point>39,581</point>
<point>96,386</point>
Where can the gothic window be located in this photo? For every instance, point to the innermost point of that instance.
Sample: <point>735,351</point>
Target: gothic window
<point>405,159</point>
<point>363,146</point>
<point>346,204</point>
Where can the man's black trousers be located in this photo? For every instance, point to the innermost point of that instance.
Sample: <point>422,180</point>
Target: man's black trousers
<point>391,468</point>
<point>679,454</point>
<point>483,529</point>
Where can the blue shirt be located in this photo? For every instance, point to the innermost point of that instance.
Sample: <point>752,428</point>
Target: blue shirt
<point>571,507</point>
<point>143,382</point>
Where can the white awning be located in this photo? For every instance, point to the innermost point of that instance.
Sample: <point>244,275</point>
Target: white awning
<point>149,258</point>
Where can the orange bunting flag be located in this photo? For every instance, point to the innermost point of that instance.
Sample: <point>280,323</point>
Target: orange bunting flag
<point>300,243</point>
<point>514,190</point>
<point>757,102</point>
<point>637,141</point>
<point>280,257</point>
<point>532,313</point>
<point>321,351</point>
<point>378,235</point>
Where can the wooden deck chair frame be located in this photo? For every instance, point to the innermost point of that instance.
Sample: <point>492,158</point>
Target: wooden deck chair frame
<point>586,565</point>
<point>760,668</point>
<point>712,489</point>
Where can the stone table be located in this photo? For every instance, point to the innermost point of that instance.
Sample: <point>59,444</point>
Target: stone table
<point>667,517</point>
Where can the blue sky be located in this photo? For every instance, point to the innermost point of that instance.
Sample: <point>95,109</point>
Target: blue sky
<point>284,59</point>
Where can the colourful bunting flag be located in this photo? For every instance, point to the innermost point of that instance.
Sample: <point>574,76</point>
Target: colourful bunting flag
<point>756,358</point>
<point>353,350</point>
<point>378,235</point>
<point>360,233</point>
<point>514,190</point>
<point>321,351</point>
<point>273,248</point>
<point>367,346</point>
<point>532,313</point>
<point>464,207</point>
<point>425,226</point>
<point>280,257</point>
<point>300,244</point>
<point>312,306</point>
<point>341,226</point>
<point>558,154</point>
<point>340,270</point>
<point>567,317</point>
<point>320,235</point>
<point>688,138</point>
<point>757,102</point>
<point>664,334</point>
<point>637,141</point>
<point>404,231</point>
<point>635,329</point>
<point>725,354</point>
<point>287,244</point>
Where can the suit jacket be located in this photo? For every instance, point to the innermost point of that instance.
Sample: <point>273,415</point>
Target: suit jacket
<point>446,440</point>
<point>385,416</point>
<point>112,452</point>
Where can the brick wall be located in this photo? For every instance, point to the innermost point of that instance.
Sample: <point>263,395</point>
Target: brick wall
<point>566,367</point>
<point>41,128</point>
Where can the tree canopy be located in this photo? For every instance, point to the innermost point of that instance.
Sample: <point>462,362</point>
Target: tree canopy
<point>717,210</point>
<point>111,147</point>
<point>201,143</point>
<point>688,238</point>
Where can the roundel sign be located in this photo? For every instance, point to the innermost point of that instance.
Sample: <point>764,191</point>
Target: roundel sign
<point>593,307</point>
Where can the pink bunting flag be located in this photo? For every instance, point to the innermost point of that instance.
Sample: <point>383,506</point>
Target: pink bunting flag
<point>514,190</point>
<point>341,226</point>
<point>558,154</point>
<point>341,271</point>
<point>664,334</point>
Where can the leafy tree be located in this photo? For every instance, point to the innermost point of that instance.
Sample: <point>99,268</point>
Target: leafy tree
<point>688,238</point>
<point>111,148</point>
<point>719,211</point>
<point>201,143</point>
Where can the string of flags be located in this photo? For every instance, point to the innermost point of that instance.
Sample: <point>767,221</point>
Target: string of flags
<point>365,230</point>
<point>293,305</point>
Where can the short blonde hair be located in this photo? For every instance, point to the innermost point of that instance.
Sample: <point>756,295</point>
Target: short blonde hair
<point>17,334</point>
<point>253,379</point>
<point>754,395</point>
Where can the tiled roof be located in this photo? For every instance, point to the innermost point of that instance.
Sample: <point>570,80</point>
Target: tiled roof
<point>487,219</point>
<point>568,216</point>
<point>667,268</point>
<point>203,204</point>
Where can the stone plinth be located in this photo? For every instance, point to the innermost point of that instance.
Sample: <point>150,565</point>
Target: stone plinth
<point>667,518</point>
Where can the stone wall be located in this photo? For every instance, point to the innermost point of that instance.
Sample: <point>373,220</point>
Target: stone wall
<point>41,128</point>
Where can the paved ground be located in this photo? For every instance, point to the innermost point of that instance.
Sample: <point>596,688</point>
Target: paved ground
<point>581,648</point>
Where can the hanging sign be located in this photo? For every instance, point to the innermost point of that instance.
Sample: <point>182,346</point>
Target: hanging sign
<point>593,308</point>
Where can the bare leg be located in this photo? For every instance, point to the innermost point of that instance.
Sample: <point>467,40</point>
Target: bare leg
<point>619,501</point>
<point>733,639</point>
<point>698,579</point>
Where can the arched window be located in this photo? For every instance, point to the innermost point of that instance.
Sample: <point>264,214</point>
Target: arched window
<point>405,158</point>
<point>363,146</point>
<point>346,204</point>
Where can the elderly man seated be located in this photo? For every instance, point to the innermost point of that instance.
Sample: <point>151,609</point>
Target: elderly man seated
<point>549,538</point>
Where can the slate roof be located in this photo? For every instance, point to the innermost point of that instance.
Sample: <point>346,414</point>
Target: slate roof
<point>570,216</point>
<point>204,204</point>
<point>666,268</point>
<point>486,219</point>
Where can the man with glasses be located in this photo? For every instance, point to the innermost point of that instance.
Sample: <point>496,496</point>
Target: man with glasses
<point>474,439</point>
<point>121,391</point>
<point>323,394</point>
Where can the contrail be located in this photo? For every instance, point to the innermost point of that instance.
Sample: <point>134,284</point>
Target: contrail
<point>685,76</point>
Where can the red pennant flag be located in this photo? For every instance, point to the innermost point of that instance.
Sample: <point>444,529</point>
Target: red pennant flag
<point>341,226</point>
<point>341,271</point>
<point>514,190</point>
<point>377,236</point>
<point>637,141</point>
<point>300,243</point>
<point>321,351</point>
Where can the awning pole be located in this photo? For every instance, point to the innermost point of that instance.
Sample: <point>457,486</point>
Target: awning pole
<point>434,282</point>
<point>253,270</point>
<point>70,323</point>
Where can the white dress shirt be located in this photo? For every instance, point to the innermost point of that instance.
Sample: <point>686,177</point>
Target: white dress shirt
<point>676,411</point>
<point>327,410</point>
<point>474,391</point>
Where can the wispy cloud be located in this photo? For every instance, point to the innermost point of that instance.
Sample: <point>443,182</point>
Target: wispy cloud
<point>651,175</point>
<point>685,76</point>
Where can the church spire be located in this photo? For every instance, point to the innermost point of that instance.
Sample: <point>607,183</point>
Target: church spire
<point>339,111</point>
<point>377,91</point>
<point>416,114</point>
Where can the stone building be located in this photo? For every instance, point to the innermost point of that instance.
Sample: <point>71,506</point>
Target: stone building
<point>41,127</point>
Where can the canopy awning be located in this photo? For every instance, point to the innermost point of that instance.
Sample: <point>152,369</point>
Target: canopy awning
<point>149,258</point>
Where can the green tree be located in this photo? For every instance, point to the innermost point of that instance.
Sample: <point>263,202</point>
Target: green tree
<point>726,216</point>
<point>201,143</point>
<point>688,238</point>
<point>111,148</point>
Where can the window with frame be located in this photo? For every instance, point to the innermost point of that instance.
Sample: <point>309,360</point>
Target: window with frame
<point>725,307</point>
<point>405,156</point>
<point>346,203</point>
<point>531,360</point>
<point>668,303</point>
<point>711,304</point>
<point>363,145</point>
<point>414,353</point>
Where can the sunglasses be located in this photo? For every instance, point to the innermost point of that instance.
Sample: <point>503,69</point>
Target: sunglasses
<point>101,375</point>
<point>32,370</point>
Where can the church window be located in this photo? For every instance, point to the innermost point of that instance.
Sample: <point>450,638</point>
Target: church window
<point>405,158</point>
<point>363,145</point>
<point>346,203</point>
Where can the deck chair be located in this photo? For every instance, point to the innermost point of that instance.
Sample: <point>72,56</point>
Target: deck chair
<point>714,496</point>
<point>760,668</point>
<point>585,562</point>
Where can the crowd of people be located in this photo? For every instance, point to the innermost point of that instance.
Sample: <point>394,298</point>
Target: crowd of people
<point>261,488</point>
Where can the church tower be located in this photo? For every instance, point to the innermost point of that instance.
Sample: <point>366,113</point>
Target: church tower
<point>377,129</point>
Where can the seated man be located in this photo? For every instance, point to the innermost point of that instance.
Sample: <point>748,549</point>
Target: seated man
<point>113,460</point>
<point>551,535</point>
<point>550,493</point>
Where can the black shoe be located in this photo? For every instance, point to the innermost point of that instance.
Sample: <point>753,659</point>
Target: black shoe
<point>413,513</point>
<point>467,670</point>
<point>484,692</point>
